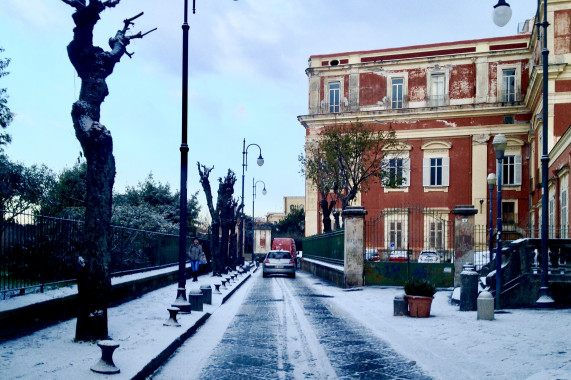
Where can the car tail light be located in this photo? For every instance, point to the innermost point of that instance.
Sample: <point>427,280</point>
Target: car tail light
<point>292,261</point>
<point>266,261</point>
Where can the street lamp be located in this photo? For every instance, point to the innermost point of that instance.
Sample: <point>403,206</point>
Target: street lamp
<point>264,192</point>
<point>544,300</point>
<point>260,162</point>
<point>491,182</point>
<point>500,142</point>
<point>181,301</point>
<point>502,13</point>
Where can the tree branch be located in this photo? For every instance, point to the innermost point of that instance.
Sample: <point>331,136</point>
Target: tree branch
<point>77,4</point>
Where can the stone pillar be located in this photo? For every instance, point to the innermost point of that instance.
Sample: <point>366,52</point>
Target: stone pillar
<point>354,243</point>
<point>463,238</point>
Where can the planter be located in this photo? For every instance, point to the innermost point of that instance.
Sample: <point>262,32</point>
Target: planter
<point>419,306</point>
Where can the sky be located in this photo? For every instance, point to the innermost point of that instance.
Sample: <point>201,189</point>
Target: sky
<point>247,80</point>
<point>530,344</point>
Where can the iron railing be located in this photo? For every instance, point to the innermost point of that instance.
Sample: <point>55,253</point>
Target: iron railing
<point>37,250</point>
<point>326,247</point>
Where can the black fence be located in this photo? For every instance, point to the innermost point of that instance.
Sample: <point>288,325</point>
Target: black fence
<point>37,250</point>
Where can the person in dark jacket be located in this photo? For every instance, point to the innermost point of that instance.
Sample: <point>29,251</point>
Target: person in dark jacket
<point>195,254</point>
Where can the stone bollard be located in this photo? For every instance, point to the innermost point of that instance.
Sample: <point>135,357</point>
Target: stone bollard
<point>173,311</point>
<point>469,288</point>
<point>105,365</point>
<point>228,281</point>
<point>486,306</point>
<point>223,284</point>
<point>217,289</point>
<point>400,305</point>
<point>206,294</point>
<point>195,299</point>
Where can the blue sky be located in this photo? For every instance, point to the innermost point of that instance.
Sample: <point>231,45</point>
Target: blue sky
<point>247,62</point>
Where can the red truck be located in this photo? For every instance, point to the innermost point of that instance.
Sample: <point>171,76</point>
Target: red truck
<point>285,244</point>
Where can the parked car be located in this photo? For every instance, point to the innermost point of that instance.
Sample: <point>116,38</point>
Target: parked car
<point>278,262</point>
<point>428,256</point>
<point>372,254</point>
<point>398,256</point>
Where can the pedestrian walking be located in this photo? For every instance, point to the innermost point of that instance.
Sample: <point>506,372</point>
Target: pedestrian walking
<point>195,254</point>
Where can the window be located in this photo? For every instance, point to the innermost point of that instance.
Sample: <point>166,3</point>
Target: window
<point>564,221</point>
<point>334,94</point>
<point>397,92</point>
<point>508,213</point>
<point>551,232</point>
<point>396,172</point>
<point>508,82</point>
<point>436,235</point>
<point>437,89</point>
<point>436,171</point>
<point>511,175</point>
<point>395,235</point>
<point>508,85</point>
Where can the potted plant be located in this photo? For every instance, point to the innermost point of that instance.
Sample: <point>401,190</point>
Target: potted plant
<point>419,295</point>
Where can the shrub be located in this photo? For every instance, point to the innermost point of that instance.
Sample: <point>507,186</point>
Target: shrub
<point>419,287</point>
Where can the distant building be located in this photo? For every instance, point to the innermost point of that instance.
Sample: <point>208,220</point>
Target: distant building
<point>446,102</point>
<point>290,204</point>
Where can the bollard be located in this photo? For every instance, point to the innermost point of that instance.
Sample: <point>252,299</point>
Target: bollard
<point>400,305</point>
<point>173,311</point>
<point>228,281</point>
<point>217,289</point>
<point>195,299</point>
<point>105,365</point>
<point>486,306</point>
<point>223,284</point>
<point>468,288</point>
<point>206,294</point>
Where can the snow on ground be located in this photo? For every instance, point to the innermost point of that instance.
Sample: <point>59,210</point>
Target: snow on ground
<point>523,343</point>
<point>520,344</point>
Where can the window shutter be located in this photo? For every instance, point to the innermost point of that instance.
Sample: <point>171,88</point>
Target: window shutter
<point>445,171</point>
<point>406,171</point>
<point>426,172</point>
<point>517,169</point>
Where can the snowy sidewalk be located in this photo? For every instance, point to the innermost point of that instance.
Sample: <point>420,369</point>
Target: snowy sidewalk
<point>137,326</point>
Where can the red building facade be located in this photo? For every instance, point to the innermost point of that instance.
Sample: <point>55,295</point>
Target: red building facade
<point>446,102</point>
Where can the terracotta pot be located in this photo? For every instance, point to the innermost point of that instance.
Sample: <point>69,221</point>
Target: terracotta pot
<point>419,306</point>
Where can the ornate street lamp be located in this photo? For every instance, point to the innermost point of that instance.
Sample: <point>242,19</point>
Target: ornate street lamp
<point>491,183</point>
<point>500,142</point>
<point>502,13</point>
<point>264,192</point>
<point>260,162</point>
<point>544,300</point>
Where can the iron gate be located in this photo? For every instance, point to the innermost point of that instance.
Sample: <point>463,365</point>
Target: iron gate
<point>402,233</point>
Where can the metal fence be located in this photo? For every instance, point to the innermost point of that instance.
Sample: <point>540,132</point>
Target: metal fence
<point>326,247</point>
<point>38,250</point>
<point>403,233</point>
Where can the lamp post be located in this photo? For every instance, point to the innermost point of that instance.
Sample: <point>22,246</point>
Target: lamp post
<point>500,142</point>
<point>491,182</point>
<point>544,300</point>
<point>264,192</point>
<point>260,162</point>
<point>181,301</point>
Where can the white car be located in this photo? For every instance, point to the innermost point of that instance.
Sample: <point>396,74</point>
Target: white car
<point>428,256</point>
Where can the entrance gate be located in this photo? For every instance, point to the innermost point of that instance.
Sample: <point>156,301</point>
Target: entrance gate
<point>402,233</point>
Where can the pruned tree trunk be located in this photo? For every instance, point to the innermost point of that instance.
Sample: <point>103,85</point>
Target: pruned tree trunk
<point>204,173</point>
<point>326,209</point>
<point>227,214</point>
<point>94,65</point>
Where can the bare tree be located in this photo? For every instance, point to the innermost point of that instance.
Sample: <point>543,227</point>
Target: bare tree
<point>94,65</point>
<point>345,158</point>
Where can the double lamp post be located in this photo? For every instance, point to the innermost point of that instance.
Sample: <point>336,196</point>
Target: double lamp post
<point>501,16</point>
